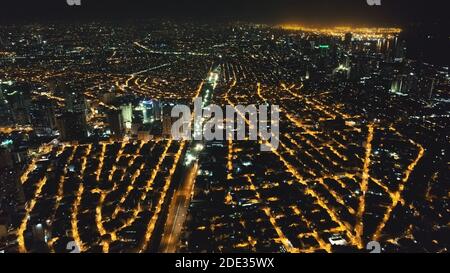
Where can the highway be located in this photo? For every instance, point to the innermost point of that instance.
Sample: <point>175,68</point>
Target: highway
<point>178,211</point>
<point>181,199</point>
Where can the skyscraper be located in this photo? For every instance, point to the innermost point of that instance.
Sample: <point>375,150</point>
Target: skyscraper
<point>399,49</point>
<point>72,126</point>
<point>75,101</point>
<point>116,123</point>
<point>5,109</point>
<point>19,99</point>
<point>43,116</point>
<point>348,41</point>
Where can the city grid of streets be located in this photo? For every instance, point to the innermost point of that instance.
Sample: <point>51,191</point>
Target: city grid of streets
<point>360,127</point>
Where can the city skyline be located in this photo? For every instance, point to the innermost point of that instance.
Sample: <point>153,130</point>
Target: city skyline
<point>320,13</point>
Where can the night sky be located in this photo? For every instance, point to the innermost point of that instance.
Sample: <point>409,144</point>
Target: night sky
<point>318,12</point>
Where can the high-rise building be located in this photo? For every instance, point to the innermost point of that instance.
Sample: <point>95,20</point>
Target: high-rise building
<point>412,84</point>
<point>397,84</point>
<point>348,41</point>
<point>147,110</point>
<point>138,117</point>
<point>157,109</point>
<point>127,115</point>
<point>116,123</point>
<point>405,84</point>
<point>151,110</point>
<point>72,126</point>
<point>43,116</point>
<point>75,100</point>
<point>19,100</point>
<point>399,49</point>
<point>6,118</point>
